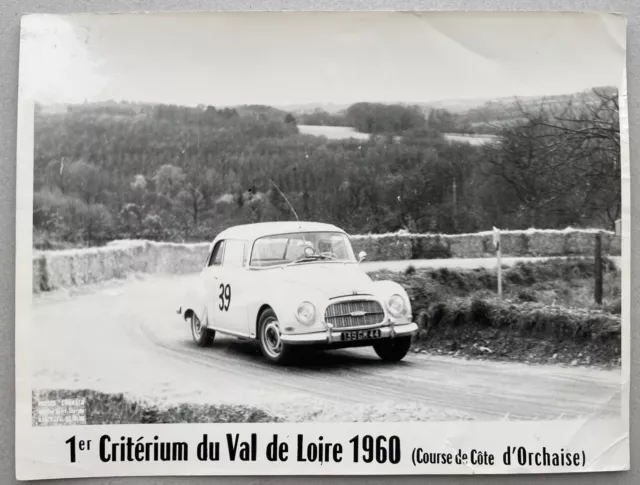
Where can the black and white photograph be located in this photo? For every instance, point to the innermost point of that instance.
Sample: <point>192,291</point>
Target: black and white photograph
<point>410,225</point>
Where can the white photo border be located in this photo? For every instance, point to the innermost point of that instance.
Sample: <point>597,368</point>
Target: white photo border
<point>41,453</point>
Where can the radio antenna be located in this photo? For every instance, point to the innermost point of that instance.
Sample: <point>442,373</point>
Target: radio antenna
<point>285,198</point>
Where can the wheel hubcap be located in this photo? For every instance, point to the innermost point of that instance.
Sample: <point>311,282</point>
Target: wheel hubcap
<point>271,338</point>
<point>196,327</point>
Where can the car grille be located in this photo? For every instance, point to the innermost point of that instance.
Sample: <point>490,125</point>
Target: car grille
<point>368,312</point>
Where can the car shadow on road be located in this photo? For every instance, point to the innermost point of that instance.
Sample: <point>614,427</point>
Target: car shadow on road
<point>307,358</point>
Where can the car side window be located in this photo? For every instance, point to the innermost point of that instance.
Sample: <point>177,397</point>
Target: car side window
<point>216,254</point>
<point>234,253</point>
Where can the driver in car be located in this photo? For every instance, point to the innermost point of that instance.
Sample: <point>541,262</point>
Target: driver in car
<point>302,249</point>
<point>325,246</point>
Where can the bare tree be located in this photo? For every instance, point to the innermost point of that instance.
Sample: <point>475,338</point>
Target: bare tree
<point>564,157</point>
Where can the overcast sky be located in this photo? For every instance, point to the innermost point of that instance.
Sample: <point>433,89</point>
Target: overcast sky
<point>296,58</point>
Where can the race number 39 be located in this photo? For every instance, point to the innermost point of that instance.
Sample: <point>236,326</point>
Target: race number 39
<point>225,297</point>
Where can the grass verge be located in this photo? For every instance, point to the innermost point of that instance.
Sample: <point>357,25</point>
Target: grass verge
<point>104,408</point>
<point>547,313</point>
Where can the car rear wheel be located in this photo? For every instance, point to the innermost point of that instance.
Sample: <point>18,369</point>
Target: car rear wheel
<point>202,336</point>
<point>271,344</point>
<point>393,350</point>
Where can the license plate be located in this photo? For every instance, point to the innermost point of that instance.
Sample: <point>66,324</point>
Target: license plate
<point>360,335</point>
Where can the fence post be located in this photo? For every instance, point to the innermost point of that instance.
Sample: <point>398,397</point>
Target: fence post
<point>598,269</point>
<point>496,243</point>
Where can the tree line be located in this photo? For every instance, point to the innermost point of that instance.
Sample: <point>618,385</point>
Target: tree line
<point>126,170</point>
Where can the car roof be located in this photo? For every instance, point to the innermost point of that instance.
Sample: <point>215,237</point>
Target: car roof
<point>261,229</point>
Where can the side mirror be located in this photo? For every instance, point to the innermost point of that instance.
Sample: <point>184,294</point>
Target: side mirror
<point>361,256</point>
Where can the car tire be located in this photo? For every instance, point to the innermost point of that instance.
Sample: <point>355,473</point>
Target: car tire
<point>393,350</point>
<point>202,336</point>
<point>272,347</point>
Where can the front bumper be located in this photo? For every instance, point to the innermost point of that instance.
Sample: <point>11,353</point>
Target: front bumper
<point>332,336</point>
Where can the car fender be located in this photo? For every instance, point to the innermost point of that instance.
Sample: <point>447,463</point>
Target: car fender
<point>193,300</point>
<point>284,300</point>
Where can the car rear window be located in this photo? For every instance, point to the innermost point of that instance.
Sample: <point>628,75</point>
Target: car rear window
<point>216,255</point>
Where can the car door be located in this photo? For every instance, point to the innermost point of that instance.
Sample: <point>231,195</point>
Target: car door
<point>211,276</point>
<point>232,292</point>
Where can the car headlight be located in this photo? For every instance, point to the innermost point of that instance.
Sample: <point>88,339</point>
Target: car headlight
<point>306,313</point>
<point>396,305</point>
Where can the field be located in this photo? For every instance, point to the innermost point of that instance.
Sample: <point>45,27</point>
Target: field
<point>476,140</point>
<point>333,132</point>
<point>346,132</point>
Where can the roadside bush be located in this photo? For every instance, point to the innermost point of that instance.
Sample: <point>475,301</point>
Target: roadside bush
<point>547,311</point>
<point>614,307</point>
<point>567,280</point>
<point>510,329</point>
<point>527,295</point>
<point>464,280</point>
<point>479,312</point>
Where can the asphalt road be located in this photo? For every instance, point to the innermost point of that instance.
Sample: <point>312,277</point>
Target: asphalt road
<point>126,337</point>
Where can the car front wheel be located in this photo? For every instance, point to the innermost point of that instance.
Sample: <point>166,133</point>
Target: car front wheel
<point>202,336</point>
<point>393,350</point>
<point>271,344</point>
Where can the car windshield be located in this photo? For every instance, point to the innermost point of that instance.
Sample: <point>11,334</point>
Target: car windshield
<point>301,247</point>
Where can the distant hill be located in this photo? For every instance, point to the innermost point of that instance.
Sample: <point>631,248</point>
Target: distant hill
<point>307,108</point>
<point>455,106</point>
<point>480,116</point>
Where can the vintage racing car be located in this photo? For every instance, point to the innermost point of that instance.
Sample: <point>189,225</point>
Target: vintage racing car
<point>295,284</point>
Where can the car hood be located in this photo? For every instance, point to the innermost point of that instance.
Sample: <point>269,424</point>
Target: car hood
<point>331,279</point>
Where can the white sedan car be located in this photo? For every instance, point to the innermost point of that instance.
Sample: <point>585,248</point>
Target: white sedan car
<point>290,285</point>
